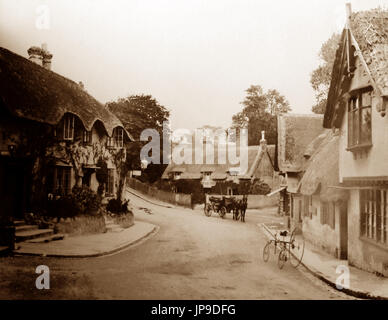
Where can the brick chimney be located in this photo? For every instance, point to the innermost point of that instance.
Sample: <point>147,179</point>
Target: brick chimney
<point>40,56</point>
<point>263,142</point>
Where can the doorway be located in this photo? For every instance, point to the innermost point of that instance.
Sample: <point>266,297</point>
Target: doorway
<point>343,229</point>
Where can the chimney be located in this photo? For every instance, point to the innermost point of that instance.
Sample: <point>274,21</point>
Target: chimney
<point>348,14</point>
<point>40,56</point>
<point>263,142</point>
<point>35,55</point>
<point>46,57</point>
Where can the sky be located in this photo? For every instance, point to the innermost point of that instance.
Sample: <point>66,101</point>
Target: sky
<point>196,57</point>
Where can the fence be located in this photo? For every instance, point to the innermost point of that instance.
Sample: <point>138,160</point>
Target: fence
<point>170,197</point>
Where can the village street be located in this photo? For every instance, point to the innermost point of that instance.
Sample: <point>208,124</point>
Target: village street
<point>190,257</point>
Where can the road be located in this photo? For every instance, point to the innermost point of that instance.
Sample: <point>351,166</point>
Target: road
<point>191,257</point>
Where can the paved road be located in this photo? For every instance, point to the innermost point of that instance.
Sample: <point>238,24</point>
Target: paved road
<point>191,257</point>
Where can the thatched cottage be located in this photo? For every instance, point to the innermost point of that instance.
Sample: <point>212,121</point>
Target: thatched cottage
<point>295,133</point>
<point>224,177</point>
<point>356,108</point>
<point>53,136</point>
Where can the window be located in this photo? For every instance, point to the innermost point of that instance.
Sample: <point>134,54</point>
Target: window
<point>109,189</point>
<point>117,139</point>
<point>374,214</point>
<point>177,175</point>
<point>328,214</point>
<point>359,119</point>
<point>61,181</point>
<point>307,202</point>
<point>68,127</point>
<point>87,137</point>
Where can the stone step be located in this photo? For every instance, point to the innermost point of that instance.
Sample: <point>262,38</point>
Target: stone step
<point>19,223</point>
<point>25,227</point>
<point>32,234</point>
<point>53,237</point>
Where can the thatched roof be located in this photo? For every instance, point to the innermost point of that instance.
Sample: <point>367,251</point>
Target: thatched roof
<point>368,30</point>
<point>219,171</point>
<point>295,133</point>
<point>32,92</point>
<point>322,170</point>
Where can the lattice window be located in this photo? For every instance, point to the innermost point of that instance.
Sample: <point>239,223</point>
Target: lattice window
<point>87,137</point>
<point>110,182</point>
<point>68,127</point>
<point>374,214</point>
<point>359,119</point>
<point>62,180</point>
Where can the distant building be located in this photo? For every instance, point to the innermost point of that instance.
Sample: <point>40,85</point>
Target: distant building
<point>295,134</point>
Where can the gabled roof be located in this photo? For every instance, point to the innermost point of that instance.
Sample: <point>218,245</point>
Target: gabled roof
<point>32,92</point>
<point>295,133</point>
<point>220,171</point>
<point>366,37</point>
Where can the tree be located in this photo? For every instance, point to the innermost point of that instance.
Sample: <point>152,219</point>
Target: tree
<point>137,113</point>
<point>260,114</point>
<point>321,77</point>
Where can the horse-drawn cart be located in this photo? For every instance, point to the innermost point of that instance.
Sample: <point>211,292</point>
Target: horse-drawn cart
<point>225,204</point>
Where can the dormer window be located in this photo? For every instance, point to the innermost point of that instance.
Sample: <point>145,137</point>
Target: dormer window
<point>117,139</point>
<point>360,120</point>
<point>118,136</point>
<point>87,137</point>
<point>68,127</point>
<point>177,175</point>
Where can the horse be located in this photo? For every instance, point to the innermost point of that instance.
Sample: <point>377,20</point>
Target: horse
<point>243,207</point>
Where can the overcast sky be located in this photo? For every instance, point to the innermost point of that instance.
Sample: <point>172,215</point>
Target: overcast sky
<point>196,57</point>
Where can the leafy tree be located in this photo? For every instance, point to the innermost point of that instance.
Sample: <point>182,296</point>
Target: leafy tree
<point>321,76</point>
<point>259,114</point>
<point>137,113</point>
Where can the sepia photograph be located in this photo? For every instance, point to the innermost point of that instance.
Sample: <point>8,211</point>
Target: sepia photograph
<point>194,154</point>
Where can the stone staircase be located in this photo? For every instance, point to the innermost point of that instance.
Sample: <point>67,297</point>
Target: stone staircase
<point>31,233</point>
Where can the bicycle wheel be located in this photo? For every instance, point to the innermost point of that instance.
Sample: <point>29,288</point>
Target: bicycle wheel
<point>222,212</point>
<point>208,210</point>
<point>296,247</point>
<point>282,259</point>
<point>267,251</point>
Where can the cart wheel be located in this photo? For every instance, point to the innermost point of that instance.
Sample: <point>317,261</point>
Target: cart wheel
<point>208,210</point>
<point>267,251</point>
<point>282,259</point>
<point>222,212</point>
<point>296,247</point>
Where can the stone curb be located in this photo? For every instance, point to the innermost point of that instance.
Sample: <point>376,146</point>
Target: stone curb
<point>154,231</point>
<point>320,276</point>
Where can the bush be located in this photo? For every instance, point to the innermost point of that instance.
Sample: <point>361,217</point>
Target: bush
<point>117,206</point>
<point>88,201</point>
<point>82,201</point>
